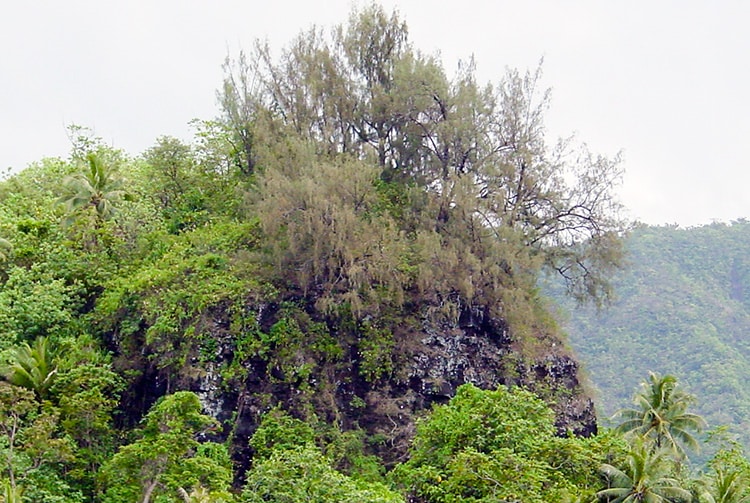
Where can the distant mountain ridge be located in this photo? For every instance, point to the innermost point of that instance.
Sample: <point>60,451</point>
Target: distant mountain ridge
<point>683,307</point>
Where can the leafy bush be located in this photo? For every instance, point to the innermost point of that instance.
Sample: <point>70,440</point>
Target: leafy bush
<point>497,446</point>
<point>304,475</point>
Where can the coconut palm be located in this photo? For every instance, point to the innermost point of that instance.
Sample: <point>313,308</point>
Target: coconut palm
<point>32,367</point>
<point>646,478</point>
<point>660,415</point>
<point>98,187</point>
<point>724,486</point>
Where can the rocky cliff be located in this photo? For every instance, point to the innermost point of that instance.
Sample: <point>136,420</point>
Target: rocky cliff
<point>328,370</point>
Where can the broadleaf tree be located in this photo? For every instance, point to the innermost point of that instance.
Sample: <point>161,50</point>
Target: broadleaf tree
<point>167,457</point>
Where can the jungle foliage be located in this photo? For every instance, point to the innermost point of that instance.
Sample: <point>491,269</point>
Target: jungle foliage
<point>351,190</point>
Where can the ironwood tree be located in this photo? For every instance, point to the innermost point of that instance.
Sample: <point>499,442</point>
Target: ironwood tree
<point>467,190</point>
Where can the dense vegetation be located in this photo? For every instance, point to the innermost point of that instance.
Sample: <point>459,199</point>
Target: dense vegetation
<point>685,292</point>
<point>204,322</point>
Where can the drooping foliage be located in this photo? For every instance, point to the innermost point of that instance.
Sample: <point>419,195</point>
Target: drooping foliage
<point>477,189</point>
<point>726,479</point>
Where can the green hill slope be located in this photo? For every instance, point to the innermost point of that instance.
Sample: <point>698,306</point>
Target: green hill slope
<point>682,307</point>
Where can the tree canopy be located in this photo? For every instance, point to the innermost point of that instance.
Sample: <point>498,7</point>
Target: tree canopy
<point>473,172</point>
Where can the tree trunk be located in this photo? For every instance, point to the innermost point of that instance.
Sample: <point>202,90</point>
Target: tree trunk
<point>149,491</point>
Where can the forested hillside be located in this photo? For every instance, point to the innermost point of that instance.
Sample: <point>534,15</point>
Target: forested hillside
<point>682,307</point>
<point>330,294</point>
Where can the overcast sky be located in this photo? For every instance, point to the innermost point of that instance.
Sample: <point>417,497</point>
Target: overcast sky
<point>666,82</point>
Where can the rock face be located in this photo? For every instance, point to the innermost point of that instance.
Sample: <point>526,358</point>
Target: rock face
<point>422,363</point>
<point>437,359</point>
<point>428,361</point>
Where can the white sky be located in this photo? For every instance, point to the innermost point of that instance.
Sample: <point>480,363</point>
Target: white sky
<point>667,82</point>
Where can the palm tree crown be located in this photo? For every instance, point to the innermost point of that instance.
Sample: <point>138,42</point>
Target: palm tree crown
<point>646,478</point>
<point>724,486</point>
<point>97,187</point>
<point>32,367</point>
<point>660,415</point>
